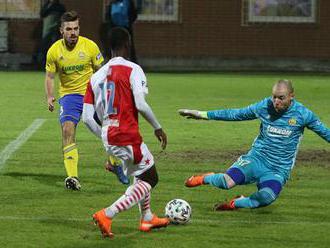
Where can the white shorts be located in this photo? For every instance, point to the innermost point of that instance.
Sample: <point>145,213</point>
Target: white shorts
<point>135,160</point>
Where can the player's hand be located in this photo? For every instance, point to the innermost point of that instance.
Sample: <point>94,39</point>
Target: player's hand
<point>193,114</point>
<point>50,101</point>
<point>161,136</point>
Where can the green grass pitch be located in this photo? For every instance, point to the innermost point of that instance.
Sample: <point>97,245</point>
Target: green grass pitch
<point>36,210</point>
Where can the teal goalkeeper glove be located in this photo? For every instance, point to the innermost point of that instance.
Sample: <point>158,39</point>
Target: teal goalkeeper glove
<point>193,114</point>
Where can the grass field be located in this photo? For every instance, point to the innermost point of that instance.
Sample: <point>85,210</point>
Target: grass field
<point>36,210</point>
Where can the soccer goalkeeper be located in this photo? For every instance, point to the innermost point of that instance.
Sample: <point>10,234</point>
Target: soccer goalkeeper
<point>273,153</point>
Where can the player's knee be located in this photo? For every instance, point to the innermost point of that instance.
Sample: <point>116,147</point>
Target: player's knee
<point>150,176</point>
<point>153,180</point>
<point>263,197</point>
<point>229,181</point>
<point>236,176</point>
<point>68,131</point>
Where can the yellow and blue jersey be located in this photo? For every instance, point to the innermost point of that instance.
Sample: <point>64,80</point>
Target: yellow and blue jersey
<point>280,133</point>
<point>76,66</point>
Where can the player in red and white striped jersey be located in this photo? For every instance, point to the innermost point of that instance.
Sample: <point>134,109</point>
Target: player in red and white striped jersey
<point>117,94</point>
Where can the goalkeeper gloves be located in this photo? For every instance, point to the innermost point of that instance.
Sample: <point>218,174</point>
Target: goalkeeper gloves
<point>193,114</point>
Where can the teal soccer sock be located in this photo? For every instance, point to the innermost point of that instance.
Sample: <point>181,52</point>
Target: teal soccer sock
<point>217,180</point>
<point>246,202</point>
<point>260,198</point>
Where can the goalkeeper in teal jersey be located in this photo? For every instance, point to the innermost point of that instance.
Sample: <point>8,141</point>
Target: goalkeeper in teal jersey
<point>273,153</point>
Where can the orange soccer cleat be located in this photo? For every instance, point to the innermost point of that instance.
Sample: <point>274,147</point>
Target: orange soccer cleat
<point>196,180</point>
<point>155,222</point>
<point>104,223</point>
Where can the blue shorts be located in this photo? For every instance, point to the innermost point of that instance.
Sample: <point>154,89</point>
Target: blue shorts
<point>250,168</point>
<point>71,108</point>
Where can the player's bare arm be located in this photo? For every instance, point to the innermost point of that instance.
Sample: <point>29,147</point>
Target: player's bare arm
<point>145,110</point>
<point>49,89</point>
<point>162,137</point>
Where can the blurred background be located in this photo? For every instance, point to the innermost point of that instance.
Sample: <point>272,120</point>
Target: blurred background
<point>187,35</point>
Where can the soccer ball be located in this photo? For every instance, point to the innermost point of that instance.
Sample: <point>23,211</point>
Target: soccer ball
<point>178,211</point>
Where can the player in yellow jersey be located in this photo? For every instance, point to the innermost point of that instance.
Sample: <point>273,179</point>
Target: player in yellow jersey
<point>75,58</point>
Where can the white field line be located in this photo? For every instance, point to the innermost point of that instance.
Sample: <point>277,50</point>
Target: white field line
<point>20,140</point>
<point>197,221</point>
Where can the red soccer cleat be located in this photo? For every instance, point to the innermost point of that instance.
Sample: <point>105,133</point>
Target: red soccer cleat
<point>226,206</point>
<point>196,180</point>
<point>104,223</point>
<point>155,222</point>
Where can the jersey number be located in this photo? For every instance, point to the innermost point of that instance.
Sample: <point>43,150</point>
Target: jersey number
<point>243,162</point>
<point>108,96</point>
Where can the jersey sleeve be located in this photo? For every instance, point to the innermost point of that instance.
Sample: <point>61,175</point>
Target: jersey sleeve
<point>138,81</point>
<point>140,90</point>
<point>50,61</point>
<point>248,113</point>
<point>97,57</point>
<point>89,114</point>
<point>313,123</point>
<point>89,95</point>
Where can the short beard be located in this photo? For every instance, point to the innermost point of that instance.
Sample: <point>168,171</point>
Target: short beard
<point>70,45</point>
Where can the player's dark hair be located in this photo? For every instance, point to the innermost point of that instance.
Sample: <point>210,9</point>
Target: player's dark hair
<point>287,83</point>
<point>69,16</point>
<point>119,37</point>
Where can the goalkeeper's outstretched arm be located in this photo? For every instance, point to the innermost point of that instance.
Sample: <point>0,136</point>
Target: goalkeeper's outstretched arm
<point>193,114</point>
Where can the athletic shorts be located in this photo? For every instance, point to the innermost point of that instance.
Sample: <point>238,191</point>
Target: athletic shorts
<point>135,159</point>
<point>254,170</point>
<point>71,107</point>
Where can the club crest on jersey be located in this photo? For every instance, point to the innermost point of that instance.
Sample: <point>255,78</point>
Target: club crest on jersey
<point>292,122</point>
<point>81,55</point>
<point>99,56</point>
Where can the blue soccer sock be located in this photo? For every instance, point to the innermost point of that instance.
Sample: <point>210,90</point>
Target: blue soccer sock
<point>217,180</point>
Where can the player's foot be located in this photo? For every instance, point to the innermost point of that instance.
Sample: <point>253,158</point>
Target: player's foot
<point>196,180</point>
<point>146,226</point>
<point>72,183</point>
<point>118,171</point>
<point>104,223</point>
<point>226,206</point>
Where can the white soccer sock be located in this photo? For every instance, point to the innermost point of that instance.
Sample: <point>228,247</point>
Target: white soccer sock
<point>144,207</point>
<point>112,210</point>
<point>134,194</point>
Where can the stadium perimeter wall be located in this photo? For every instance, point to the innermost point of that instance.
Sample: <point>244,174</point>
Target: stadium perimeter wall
<point>208,36</point>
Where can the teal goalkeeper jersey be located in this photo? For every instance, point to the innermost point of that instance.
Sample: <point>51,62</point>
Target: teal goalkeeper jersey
<point>280,134</point>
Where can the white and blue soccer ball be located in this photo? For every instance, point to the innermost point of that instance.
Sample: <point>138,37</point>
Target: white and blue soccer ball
<point>178,211</point>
